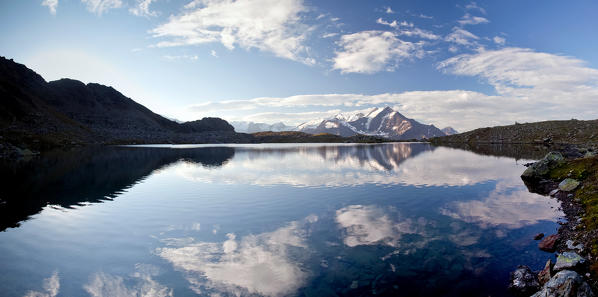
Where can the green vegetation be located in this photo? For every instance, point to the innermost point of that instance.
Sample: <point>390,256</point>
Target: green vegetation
<point>586,171</point>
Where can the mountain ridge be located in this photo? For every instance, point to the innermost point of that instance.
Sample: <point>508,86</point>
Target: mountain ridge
<point>42,115</point>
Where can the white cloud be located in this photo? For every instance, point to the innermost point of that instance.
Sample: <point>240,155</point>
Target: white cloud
<point>181,57</point>
<point>388,10</point>
<point>142,8</point>
<point>518,67</point>
<point>530,86</point>
<point>328,35</point>
<point>394,24</point>
<point>213,54</point>
<point>247,24</point>
<point>408,29</point>
<point>461,36</point>
<point>100,6</point>
<point>499,40</point>
<point>469,19</point>
<point>373,51</point>
<point>51,4</point>
<point>51,287</point>
<point>474,6</point>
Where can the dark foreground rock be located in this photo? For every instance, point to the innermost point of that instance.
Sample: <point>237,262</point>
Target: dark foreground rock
<point>545,274</point>
<point>523,281</point>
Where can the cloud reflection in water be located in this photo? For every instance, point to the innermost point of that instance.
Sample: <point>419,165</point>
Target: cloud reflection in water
<point>256,264</point>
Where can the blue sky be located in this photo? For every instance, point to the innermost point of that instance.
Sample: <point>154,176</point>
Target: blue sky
<point>450,63</point>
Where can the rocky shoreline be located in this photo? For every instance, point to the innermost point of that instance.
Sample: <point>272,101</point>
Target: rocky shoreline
<point>568,175</point>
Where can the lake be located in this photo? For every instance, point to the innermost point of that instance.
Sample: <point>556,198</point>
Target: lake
<point>396,219</point>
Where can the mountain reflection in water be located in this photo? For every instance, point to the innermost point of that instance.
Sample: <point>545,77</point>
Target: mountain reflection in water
<point>270,220</point>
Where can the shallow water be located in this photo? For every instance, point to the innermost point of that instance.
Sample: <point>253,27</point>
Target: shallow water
<point>268,220</point>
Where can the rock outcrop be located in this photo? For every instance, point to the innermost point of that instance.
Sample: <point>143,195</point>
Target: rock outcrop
<point>523,281</point>
<point>566,283</point>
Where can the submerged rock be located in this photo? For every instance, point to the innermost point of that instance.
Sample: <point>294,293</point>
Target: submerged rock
<point>539,236</point>
<point>545,274</point>
<point>568,185</point>
<point>548,243</point>
<point>542,168</point>
<point>568,260</point>
<point>566,283</point>
<point>523,281</point>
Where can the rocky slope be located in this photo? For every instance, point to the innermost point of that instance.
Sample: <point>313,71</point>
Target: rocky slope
<point>381,122</point>
<point>571,176</point>
<point>559,132</point>
<point>39,114</point>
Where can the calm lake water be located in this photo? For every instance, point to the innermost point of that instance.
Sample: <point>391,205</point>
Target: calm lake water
<point>268,220</point>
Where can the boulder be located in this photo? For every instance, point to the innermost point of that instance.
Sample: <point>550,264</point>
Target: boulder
<point>572,246</point>
<point>545,274</point>
<point>566,283</point>
<point>548,243</point>
<point>568,184</point>
<point>568,260</point>
<point>541,168</point>
<point>523,281</point>
<point>539,236</point>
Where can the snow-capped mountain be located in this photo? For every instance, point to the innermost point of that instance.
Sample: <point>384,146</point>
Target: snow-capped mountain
<point>449,131</point>
<point>384,122</point>
<point>252,127</point>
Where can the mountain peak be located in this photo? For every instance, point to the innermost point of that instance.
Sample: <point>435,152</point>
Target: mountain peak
<point>376,121</point>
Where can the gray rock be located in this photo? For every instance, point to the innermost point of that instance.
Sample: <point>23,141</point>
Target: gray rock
<point>553,192</point>
<point>568,184</point>
<point>523,281</point>
<point>568,260</point>
<point>542,167</point>
<point>570,245</point>
<point>566,283</point>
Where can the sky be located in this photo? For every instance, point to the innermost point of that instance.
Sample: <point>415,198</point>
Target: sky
<point>449,63</point>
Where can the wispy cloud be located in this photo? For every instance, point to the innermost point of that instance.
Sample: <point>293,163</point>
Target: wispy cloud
<point>469,19</point>
<point>278,29</point>
<point>461,36</point>
<point>499,40</point>
<point>142,8</point>
<point>100,6</point>
<point>388,10</point>
<point>373,51</point>
<point>474,6</point>
<point>181,57</point>
<point>51,4</point>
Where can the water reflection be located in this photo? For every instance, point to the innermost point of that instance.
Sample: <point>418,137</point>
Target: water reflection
<point>271,220</point>
<point>255,264</point>
<point>67,178</point>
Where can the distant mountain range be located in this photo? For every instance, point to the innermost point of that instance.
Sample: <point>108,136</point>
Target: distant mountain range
<point>382,122</point>
<point>252,127</point>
